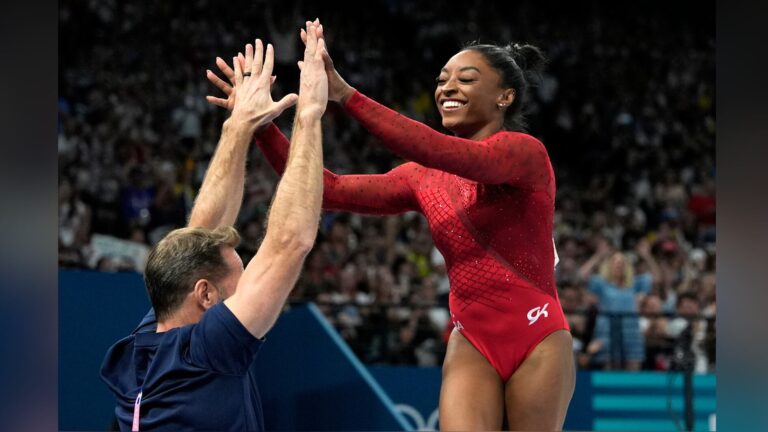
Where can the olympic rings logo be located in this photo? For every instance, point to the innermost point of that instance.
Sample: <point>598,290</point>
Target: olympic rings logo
<point>417,420</point>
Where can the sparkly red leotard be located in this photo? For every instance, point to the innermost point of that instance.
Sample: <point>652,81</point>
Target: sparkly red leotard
<point>490,208</point>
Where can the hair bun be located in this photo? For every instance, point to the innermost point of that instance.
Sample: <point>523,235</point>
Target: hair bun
<point>528,57</point>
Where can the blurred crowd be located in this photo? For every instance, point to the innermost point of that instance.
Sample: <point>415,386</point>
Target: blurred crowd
<point>625,108</point>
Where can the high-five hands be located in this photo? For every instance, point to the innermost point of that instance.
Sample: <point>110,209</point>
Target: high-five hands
<point>249,95</point>
<point>338,89</point>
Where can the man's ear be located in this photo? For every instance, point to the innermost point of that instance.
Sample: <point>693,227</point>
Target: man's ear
<point>205,293</point>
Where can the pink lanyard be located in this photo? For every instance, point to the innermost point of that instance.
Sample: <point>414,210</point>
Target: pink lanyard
<point>136,407</point>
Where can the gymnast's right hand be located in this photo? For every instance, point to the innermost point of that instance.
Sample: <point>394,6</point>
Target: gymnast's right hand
<point>338,89</point>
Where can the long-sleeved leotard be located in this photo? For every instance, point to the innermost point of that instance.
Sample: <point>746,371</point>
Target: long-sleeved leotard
<point>490,208</point>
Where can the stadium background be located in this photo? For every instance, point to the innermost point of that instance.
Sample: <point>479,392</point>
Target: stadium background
<point>625,108</point>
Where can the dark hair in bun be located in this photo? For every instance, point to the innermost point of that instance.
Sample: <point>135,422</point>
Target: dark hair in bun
<point>519,67</point>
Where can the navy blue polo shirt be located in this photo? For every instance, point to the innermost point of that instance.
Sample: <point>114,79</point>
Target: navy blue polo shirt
<point>194,377</point>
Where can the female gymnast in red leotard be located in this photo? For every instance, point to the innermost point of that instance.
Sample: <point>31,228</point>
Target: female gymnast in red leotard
<point>488,195</point>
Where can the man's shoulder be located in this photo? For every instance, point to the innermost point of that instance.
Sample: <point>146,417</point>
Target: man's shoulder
<point>220,342</point>
<point>220,316</point>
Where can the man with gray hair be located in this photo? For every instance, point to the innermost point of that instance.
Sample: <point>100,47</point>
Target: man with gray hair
<point>212,315</point>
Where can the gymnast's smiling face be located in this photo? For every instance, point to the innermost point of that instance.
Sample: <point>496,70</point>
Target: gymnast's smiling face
<point>468,95</point>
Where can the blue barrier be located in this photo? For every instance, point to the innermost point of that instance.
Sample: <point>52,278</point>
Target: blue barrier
<point>310,380</point>
<point>415,390</point>
<point>95,310</point>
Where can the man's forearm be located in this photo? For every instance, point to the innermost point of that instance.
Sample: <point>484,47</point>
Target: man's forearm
<point>295,212</point>
<point>221,194</point>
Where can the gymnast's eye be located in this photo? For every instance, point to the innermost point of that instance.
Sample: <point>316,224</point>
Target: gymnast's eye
<point>440,80</point>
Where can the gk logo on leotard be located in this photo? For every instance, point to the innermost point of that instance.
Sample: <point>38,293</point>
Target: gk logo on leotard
<point>538,311</point>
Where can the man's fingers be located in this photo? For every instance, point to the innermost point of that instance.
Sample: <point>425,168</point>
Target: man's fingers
<point>218,82</point>
<point>303,33</point>
<point>306,31</point>
<point>269,62</point>
<point>272,81</point>
<point>226,70</point>
<point>238,71</point>
<point>241,59</point>
<point>311,38</point>
<point>258,60</point>
<point>217,101</point>
<point>301,64</point>
<point>248,64</point>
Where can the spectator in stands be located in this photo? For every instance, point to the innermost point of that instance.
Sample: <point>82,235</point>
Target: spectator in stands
<point>619,290</point>
<point>74,225</point>
<point>688,331</point>
<point>574,308</point>
<point>653,326</point>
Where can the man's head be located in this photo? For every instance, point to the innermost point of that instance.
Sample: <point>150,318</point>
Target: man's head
<point>195,266</point>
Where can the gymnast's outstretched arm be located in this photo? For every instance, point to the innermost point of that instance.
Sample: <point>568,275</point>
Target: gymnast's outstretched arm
<point>513,158</point>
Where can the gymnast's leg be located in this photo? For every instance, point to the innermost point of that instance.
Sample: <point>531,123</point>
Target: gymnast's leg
<point>472,393</point>
<point>538,393</point>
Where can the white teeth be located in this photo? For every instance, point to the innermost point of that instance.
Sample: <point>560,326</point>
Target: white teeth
<point>451,104</point>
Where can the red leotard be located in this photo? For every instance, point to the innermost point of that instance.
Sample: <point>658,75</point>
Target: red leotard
<point>490,208</point>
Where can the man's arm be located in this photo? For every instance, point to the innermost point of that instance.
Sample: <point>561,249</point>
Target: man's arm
<point>295,213</point>
<point>221,194</point>
<point>219,199</point>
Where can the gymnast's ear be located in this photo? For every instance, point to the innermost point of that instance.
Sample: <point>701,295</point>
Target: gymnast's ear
<point>506,98</point>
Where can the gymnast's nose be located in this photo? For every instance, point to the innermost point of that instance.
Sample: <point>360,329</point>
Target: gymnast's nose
<point>449,87</point>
